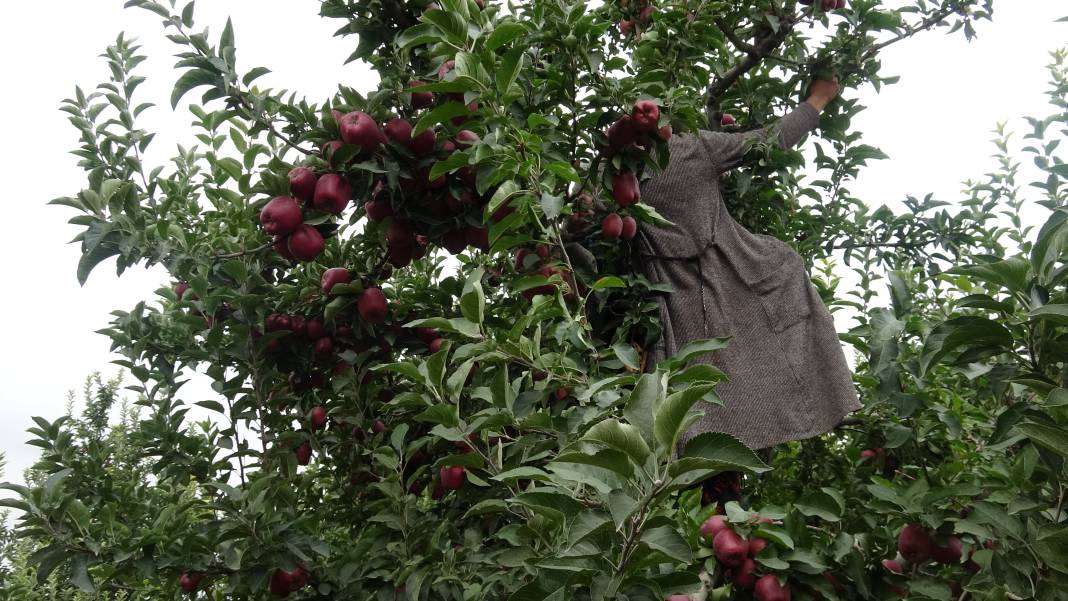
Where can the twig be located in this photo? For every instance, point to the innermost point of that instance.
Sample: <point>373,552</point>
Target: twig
<point>242,253</point>
<point>753,56</point>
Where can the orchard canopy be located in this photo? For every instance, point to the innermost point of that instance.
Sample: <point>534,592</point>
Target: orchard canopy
<point>419,309</point>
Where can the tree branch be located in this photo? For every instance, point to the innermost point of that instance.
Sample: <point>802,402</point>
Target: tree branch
<point>753,55</point>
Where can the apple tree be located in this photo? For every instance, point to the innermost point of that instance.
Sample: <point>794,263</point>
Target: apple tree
<point>420,311</point>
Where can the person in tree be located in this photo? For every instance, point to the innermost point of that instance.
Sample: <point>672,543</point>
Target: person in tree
<point>789,379</point>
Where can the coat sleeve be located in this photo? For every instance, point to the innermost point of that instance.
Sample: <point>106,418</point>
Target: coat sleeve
<point>727,149</point>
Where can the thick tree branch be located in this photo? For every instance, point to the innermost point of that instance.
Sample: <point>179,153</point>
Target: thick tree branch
<point>753,55</point>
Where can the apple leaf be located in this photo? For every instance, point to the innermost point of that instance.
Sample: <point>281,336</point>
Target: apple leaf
<point>620,436</point>
<point>671,414</point>
<point>503,34</point>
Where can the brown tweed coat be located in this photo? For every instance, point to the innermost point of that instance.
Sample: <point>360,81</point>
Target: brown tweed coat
<point>789,379</point>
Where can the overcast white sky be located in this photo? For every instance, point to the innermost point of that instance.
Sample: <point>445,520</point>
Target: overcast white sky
<point>935,125</point>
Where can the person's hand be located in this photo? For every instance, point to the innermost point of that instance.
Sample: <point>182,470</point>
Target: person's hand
<point>821,92</point>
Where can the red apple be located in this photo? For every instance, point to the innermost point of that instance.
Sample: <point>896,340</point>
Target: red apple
<point>332,193</point>
<point>378,427</point>
<point>306,243</point>
<point>422,144</point>
<point>455,241</point>
<point>840,4</point>
<point>180,289</point>
<point>401,233</point>
<point>949,554</point>
<point>914,544</point>
<point>399,130</point>
<point>756,545</point>
<point>622,133</point>
<point>478,237</point>
<point>281,583</point>
<point>331,147</point>
<point>611,226</point>
<point>893,566</point>
<point>317,417</point>
<point>646,13</point>
<point>401,256</point>
<point>626,27</point>
<point>630,228</point>
<point>372,305</point>
<point>281,216</point>
<point>281,246</point>
<point>315,329</point>
<point>360,129</point>
<point>744,576</point>
<point>677,598</point>
<point>645,116</point>
<point>664,132</point>
<point>562,393</point>
<point>452,477</point>
<point>304,453</point>
<point>334,276</point>
<point>465,138</point>
<point>435,345</point>
<point>324,346</point>
<point>298,325</point>
<point>730,549</point>
<point>829,4</point>
<point>712,526</point>
<point>767,588</point>
<point>868,454</point>
<point>190,582</point>
<point>420,100</point>
<point>276,322</point>
<point>378,210</point>
<point>726,119</point>
<point>625,189</point>
<point>302,183</point>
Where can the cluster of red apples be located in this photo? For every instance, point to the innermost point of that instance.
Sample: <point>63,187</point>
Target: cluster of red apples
<point>738,555</point>
<point>642,15</point>
<point>916,547</point>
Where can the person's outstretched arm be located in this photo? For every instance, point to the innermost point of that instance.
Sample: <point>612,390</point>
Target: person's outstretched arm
<point>727,149</point>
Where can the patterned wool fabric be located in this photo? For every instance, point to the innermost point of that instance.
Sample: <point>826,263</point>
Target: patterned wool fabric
<point>789,379</point>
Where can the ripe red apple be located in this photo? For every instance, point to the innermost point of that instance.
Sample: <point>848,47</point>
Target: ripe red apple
<point>630,228</point>
<point>521,263</point>
<point>645,115</point>
<point>452,477</point>
<point>625,189</point>
<point>306,243</point>
<point>562,393</point>
<point>730,548</point>
<point>401,256</point>
<point>893,566</point>
<point>914,544</point>
<point>315,329</point>
<point>331,147</point>
<point>840,4</point>
<point>180,289</point>
<point>281,246</point>
<point>360,129</point>
<point>829,4</point>
<point>420,100</point>
<point>399,130</point>
<point>465,138</point>
<point>378,210</point>
<point>372,305</point>
<point>767,588</point>
<point>455,241</point>
<point>478,237</point>
<point>611,226</point>
<point>275,322</point>
<point>302,183</point>
<point>190,582</point>
<point>401,233</point>
<point>726,119</point>
<point>445,67</point>
<point>324,346</point>
<point>435,345</point>
<point>378,427</point>
<point>281,216</point>
<point>677,598</point>
<point>744,576</point>
<point>626,27</point>
<point>622,133</point>
<point>304,453</point>
<point>281,582</point>
<point>868,454</point>
<point>317,417</point>
<point>422,144</point>
<point>756,545</point>
<point>712,526</point>
<point>664,132</point>
<point>332,193</point>
<point>334,276</point>
<point>949,554</point>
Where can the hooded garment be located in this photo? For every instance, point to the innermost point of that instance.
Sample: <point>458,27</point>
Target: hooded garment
<point>789,379</point>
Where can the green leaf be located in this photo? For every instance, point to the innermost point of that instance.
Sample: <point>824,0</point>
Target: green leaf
<point>503,34</point>
<point>671,414</point>
<point>522,473</point>
<point>1057,313</point>
<point>622,437</point>
<point>627,355</point>
<point>669,542</point>
<point>443,414</point>
<point>423,33</point>
<point>439,115</point>
<point>473,300</point>
<point>819,504</point>
<point>191,79</point>
<point>609,281</point>
<point>1011,274</point>
<point>692,350</point>
<point>508,70</point>
<point>564,171</point>
<point>1051,437</point>
<point>79,573</point>
<point>968,332</point>
<point>640,405</point>
<point>610,459</point>
<point>724,450</point>
<point>453,162</point>
<point>622,506</point>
